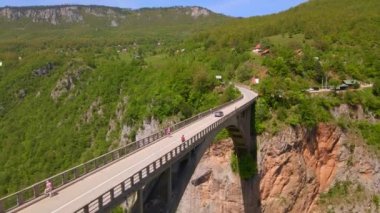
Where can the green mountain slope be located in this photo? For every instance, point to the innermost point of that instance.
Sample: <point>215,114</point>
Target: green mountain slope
<point>308,44</point>
<point>97,21</point>
<point>345,28</point>
<point>67,90</point>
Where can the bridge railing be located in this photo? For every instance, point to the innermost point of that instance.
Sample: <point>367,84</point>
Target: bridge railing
<point>138,179</point>
<point>36,190</point>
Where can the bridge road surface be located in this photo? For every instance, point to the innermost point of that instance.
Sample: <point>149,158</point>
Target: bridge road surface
<point>82,192</point>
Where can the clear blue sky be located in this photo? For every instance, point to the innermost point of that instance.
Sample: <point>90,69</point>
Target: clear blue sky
<point>244,8</point>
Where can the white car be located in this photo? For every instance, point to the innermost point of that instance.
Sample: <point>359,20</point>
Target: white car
<point>218,114</point>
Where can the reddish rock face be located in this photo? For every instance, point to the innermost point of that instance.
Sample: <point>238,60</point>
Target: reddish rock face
<point>221,192</point>
<point>296,166</point>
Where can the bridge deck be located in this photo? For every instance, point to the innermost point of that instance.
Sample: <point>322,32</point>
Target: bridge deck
<point>83,191</point>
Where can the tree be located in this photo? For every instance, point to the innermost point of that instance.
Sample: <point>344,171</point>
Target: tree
<point>376,87</point>
<point>202,81</point>
<point>243,73</point>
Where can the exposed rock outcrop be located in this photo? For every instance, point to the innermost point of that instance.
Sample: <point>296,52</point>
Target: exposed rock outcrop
<point>67,82</point>
<point>114,23</point>
<point>149,127</point>
<point>69,14</point>
<point>44,70</point>
<point>94,109</point>
<point>59,14</point>
<point>125,131</point>
<point>297,165</point>
<point>360,170</point>
<point>218,189</point>
<point>116,122</point>
<point>102,12</point>
<point>196,12</point>
<point>354,112</point>
<point>53,15</point>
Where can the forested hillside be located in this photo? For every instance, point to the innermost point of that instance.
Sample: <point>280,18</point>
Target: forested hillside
<point>341,33</point>
<point>318,40</point>
<point>70,91</point>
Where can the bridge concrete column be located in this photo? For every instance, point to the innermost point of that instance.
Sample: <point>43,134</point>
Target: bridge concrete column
<point>140,201</point>
<point>169,186</point>
<point>165,186</point>
<point>156,195</point>
<point>241,130</point>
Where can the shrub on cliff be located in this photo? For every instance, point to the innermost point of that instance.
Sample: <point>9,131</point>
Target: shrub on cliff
<point>376,87</point>
<point>244,165</point>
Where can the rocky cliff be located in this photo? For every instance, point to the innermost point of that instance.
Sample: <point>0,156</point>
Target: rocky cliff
<point>53,15</point>
<point>56,15</point>
<point>296,165</point>
<point>299,171</point>
<point>299,165</point>
<point>218,192</point>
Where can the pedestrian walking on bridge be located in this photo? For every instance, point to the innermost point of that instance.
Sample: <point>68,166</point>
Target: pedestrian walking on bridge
<point>49,188</point>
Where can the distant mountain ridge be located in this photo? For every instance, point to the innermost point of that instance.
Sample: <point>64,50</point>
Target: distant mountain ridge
<point>61,14</point>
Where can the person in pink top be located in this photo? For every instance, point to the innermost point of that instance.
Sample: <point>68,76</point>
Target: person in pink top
<point>49,188</point>
<point>183,138</point>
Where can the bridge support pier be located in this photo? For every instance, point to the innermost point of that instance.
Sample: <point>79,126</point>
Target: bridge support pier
<point>140,201</point>
<point>169,186</point>
<point>156,195</point>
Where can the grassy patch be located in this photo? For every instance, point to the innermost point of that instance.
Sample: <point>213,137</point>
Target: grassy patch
<point>371,134</point>
<point>343,191</point>
<point>118,209</point>
<point>338,190</point>
<point>291,40</point>
<point>221,135</point>
<point>376,200</point>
